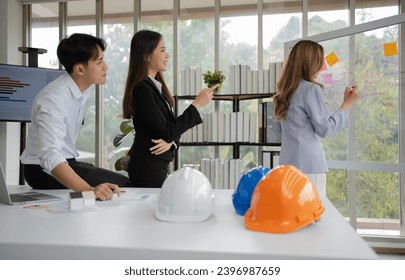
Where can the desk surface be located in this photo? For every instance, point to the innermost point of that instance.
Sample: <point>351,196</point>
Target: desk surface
<point>125,228</point>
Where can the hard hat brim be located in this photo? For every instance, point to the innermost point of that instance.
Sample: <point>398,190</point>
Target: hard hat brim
<point>276,226</point>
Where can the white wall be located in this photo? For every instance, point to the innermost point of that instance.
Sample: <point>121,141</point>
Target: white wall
<point>11,39</point>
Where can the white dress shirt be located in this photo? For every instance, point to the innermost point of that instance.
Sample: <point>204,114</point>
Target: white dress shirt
<point>57,114</point>
<point>157,83</point>
<point>308,119</point>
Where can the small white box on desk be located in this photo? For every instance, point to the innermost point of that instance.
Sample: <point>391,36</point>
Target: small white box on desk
<point>89,198</point>
<point>78,200</point>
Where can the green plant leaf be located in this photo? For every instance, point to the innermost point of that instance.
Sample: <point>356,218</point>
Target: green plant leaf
<point>118,139</point>
<point>117,151</point>
<point>126,126</point>
<point>213,78</point>
<point>122,164</point>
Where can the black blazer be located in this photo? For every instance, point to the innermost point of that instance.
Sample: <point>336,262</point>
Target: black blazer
<point>153,119</point>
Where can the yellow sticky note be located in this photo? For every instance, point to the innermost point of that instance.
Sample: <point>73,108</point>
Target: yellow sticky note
<point>390,49</point>
<point>331,59</point>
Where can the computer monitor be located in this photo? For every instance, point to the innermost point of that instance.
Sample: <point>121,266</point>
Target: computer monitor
<point>19,85</point>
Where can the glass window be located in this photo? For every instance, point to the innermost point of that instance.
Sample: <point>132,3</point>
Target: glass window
<point>197,39</point>
<point>157,15</point>
<point>324,16</point>
<point>337,190</point>
<point>373,137</point>
<point>197,55</point>
<point>282,21</point>
<point>239,35</point>
<point>378,203</point>
<point>372,10</point>
<point>81,19</point>
<point>239,46</point>
<point>377,128</point>
<point>335,78</point>
<point>45,33</point>
<point>118,32</point>
<point>377,115</point>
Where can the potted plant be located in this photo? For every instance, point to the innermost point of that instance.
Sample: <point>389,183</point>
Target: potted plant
<point>213,78</point>
<point>127,129</point>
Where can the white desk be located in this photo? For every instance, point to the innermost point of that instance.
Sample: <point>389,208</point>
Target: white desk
<point>125,228</point>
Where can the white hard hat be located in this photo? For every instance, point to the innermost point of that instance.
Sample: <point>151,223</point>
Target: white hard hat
<point>186,197</point>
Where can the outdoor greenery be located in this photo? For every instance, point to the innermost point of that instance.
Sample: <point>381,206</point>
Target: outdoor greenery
<point>375,118</point>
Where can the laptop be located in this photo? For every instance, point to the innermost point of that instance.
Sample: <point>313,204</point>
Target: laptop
<point>24,197</point>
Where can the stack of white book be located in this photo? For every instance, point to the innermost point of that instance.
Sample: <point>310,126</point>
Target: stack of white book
<point>222,127</point>
<point>191,81</point>
<point>222,174</point>
<point>243,80</point>
<point>191,165</point>
<point>271,159</point>
<point>271,126</point>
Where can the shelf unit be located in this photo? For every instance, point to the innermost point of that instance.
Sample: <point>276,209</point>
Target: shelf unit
<point>235,99</point>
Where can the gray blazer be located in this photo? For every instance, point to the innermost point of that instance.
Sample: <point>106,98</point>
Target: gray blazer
<point>308,120</point>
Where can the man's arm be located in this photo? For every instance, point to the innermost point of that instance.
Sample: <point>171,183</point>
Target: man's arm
<point>68,177</point>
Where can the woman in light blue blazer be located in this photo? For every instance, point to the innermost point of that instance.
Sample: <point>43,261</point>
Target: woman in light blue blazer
<point>305,119</point>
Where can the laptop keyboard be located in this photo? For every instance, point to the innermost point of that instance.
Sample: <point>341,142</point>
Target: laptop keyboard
<point>22,198</point>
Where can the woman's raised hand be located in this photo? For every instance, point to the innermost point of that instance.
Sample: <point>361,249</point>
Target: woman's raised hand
<point>204,97</point>
<point>351,95</point>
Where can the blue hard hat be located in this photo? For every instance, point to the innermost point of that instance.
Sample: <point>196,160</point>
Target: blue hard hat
<point>247,183</point>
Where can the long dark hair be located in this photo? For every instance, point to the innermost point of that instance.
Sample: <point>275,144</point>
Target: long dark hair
<point>143,43</point>
<point>305,59</point>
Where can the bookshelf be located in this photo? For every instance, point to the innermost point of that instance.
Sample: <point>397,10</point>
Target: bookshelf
<point>235,99</point>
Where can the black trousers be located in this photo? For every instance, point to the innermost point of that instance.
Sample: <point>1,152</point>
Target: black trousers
<point>147,172</point>
<point>94,176</point>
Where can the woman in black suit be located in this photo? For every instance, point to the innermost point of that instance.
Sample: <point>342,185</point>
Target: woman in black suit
<point>149,103</point>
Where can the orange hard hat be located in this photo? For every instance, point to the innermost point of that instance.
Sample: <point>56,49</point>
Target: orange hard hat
<point>283,201</point>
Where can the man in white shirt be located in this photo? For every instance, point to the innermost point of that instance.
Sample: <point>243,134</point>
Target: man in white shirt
<point>57,114</point>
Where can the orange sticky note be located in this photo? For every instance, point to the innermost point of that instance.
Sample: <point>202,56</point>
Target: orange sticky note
<point>390,49</point>
<point>331,59</point>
